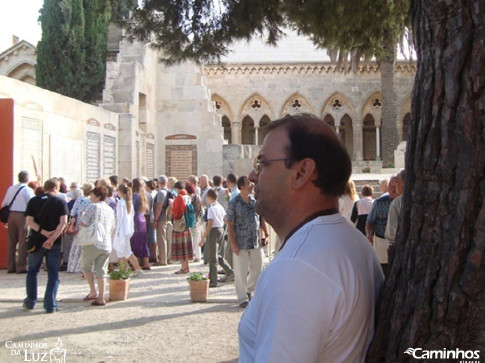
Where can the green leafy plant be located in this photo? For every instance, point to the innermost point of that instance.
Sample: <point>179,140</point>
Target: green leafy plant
<point>122,272</point>
<point>366,169</point>
<point>196,276</point>
<point>390,164</point>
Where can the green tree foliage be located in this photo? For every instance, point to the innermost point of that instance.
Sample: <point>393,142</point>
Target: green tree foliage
<point>97,15</point>
<point>71,53</point>
<point>201,30</point>
<point>60,53</point>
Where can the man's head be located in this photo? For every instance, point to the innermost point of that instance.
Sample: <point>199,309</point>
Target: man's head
<point>217,180</point>
<point>203,181</point>
<point>23,176</point>
<point>231,180</point>
<point>193,179</point>
<point>211,196</point>
<point>162,181</point>
<point>51,186</point>
<point>302,163</point>
<point>393,187</point>
<point>367,190</point>
<point>244,185</point>
<point>384,185</point>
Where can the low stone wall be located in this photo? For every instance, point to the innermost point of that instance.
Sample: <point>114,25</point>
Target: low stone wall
<point>65,137</point>
<point>366,166</point>
<point>238,159</point>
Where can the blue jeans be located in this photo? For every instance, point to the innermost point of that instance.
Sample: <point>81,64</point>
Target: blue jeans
<point>53,258</point>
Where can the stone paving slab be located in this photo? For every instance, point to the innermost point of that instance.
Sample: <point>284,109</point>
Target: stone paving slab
<point>157,323</point>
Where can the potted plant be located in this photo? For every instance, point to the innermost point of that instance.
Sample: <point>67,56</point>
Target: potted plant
<point>199,287</point>
<point>119,282</point>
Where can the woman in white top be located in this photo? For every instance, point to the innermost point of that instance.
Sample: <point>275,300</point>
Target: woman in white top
<point>346,202</point>
<point>125,228</point>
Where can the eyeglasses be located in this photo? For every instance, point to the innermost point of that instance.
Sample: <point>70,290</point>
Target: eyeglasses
<point>258,163</point>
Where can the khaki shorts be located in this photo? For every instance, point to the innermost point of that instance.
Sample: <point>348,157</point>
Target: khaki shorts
<point>91,255</point>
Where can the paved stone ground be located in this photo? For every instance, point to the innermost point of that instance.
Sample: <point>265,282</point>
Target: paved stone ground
<point>157,323</point>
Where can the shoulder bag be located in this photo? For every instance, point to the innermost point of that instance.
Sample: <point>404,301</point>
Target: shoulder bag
<point>92,234</point>
<point>5,211</point>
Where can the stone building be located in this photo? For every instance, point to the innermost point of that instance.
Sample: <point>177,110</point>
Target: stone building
<point>192,119</point>
<point>19,61</point>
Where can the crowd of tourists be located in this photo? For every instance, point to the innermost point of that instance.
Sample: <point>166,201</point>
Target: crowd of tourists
<point>376,219</point>
<point>316,301</point>
<point>144,223</point>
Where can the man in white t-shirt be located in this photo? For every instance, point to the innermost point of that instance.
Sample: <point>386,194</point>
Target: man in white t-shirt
<point>315,302</point>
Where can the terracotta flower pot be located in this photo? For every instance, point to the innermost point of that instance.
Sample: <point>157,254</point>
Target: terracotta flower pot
<point>199,290</point>
<point>118,289</point>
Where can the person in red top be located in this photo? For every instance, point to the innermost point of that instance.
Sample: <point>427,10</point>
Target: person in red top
<point>181,239</point>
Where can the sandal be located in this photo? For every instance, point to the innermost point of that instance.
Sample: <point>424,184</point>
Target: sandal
<point>182,271</point>
<point>96,303</point>
<point>87,298</point>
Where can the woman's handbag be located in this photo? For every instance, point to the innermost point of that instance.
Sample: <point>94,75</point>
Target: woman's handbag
<point>92,234</point>
<point>179,224</point>
<point>72,228</point>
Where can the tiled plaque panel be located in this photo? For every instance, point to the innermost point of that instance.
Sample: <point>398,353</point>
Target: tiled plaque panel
<point>181,161</point>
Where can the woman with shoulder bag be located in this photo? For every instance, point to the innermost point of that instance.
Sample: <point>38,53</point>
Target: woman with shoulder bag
<point>181,239</point>
<point>97,254</point>
<point>80,205</point>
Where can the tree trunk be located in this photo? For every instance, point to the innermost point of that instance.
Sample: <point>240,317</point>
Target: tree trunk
<point>390,136</point>
<point>434,297</point>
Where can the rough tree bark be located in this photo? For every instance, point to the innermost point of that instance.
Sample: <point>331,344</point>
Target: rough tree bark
<point>390,136</point>
<point>435,295</point>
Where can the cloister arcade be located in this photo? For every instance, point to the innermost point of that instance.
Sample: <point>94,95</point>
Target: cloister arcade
<point>359,128</point>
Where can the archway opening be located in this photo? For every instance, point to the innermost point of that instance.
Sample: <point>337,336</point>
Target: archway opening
<point>330,120</point>
<point>248,131</point>
<point>369,138</point>
<point>226,125</point>
<point>263,130</point>
<point>346,132</point>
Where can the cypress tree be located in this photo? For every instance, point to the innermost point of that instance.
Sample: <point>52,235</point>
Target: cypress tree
<point>60,53</point>
<point>97,15</point>
<point>71,54</point>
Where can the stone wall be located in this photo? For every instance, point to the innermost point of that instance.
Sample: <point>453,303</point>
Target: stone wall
<point>64,136</point>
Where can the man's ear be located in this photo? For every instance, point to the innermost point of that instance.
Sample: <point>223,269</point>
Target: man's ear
<point>304,173</point>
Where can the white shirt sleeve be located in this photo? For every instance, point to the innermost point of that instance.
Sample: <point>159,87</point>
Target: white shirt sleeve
<point>287,316</point>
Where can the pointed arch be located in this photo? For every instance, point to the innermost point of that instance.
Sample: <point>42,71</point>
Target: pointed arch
<point>369,137</point>
<point>256,107</point>
<point>295,104</point>
<point>373,106</point>
<point>337,105</point>
<point>222,107</point>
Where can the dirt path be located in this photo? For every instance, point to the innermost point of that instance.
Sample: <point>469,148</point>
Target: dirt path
<point>157,323</point>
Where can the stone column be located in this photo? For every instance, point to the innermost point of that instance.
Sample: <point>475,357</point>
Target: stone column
<point>236,132</point>
<point>357,142</point>
<point>378,143</point>
<point>256,129</point>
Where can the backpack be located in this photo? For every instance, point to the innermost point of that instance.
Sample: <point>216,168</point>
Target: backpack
<point>189,215</point>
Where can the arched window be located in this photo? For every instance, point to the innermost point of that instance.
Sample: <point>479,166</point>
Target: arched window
<point>226,125</point>
<point>247,131</point>
<point>329,120</point>
<point>262,128</point>
<point>346,132</point>
<point>369,138</point>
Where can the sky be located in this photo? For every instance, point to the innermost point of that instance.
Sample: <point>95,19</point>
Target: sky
<point>19,17</point>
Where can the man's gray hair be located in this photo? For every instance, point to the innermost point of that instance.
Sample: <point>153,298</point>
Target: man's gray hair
<point>162,179</point>
<point>23,176</point>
